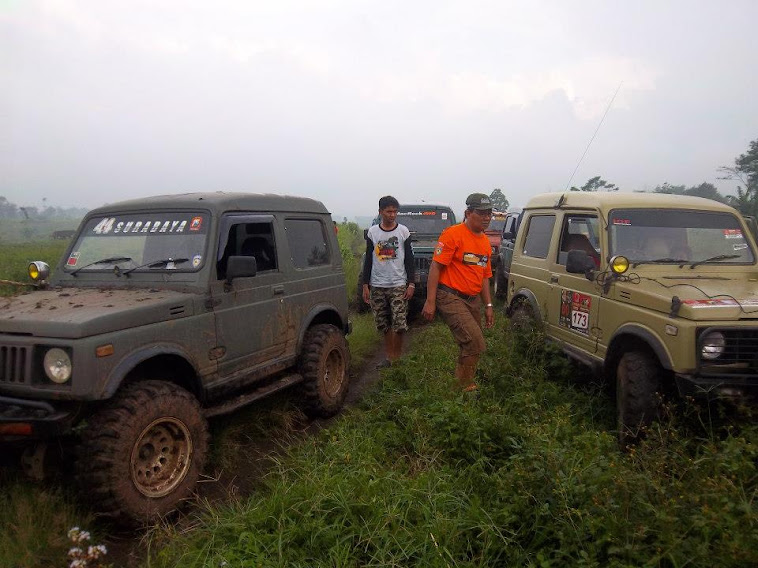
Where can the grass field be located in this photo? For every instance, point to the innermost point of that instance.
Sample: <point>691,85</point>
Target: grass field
<point>528,474</point>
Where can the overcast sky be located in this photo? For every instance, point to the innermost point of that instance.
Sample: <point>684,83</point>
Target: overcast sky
<point>346,101</point>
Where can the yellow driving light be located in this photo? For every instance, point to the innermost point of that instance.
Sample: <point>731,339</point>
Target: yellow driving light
<point>619,264</point>
<point>39,270</point>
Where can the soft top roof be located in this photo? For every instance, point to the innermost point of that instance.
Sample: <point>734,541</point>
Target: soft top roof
<point>614,200</point>
<point>217,202</point>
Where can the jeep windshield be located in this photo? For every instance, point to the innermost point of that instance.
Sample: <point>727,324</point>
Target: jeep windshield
<point>425,220</point>
<point>671,236</point>
<point>164,241</point>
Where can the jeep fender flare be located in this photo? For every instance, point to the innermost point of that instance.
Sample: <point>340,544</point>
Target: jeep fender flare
<point>528,295</point>
<point>321,313</point>
<point>128,363</point>
<point>646,336</point>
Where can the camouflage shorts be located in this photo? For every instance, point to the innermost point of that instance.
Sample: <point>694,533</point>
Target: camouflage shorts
<point>390,308</point>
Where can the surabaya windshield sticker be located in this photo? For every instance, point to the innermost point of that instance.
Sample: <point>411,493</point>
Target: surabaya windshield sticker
<point>196,223</point>
<point>732,233</point>
<point>196,260</point>
<point>73,259</point>
<point>575,311</point>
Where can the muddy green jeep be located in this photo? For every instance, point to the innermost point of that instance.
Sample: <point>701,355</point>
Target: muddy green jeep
<point>655,292</point>
<point>164,312</point>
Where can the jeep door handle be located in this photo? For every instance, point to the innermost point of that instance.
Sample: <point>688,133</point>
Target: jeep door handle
<point>553,278</point>
<point>278,290</point>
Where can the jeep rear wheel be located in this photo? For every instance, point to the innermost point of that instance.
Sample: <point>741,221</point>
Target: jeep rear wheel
<point>324,366</point>
<point>637,394</point>
<point>141,456</point>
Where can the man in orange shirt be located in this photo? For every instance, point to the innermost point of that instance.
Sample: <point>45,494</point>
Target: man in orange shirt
<point>459,280</point>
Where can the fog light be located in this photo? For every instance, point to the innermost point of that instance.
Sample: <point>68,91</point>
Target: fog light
<point>38,270</point>
<point>619,264</point>
<point>713,345</point>
<point>57,365</point>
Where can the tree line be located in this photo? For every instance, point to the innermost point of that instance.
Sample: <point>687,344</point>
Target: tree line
<point>10,210</point>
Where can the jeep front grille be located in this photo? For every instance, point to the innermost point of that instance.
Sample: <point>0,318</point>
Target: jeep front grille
<point>14,364</point>
<point>740,354</point>
<point>422,263</point>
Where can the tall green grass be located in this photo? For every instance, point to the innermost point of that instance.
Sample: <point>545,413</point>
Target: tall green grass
<point>528,474</point>
<point>16,258</point>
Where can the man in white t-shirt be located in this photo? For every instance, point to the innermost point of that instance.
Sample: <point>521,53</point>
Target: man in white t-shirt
<point>388,271</point>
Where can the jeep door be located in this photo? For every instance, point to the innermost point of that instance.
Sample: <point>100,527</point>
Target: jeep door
<point>574,299</point>
<point>530,267</point>
<point>250,317</point>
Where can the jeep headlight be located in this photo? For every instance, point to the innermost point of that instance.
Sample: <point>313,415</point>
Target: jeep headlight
<point>57,365</point>
<point>38,270</point>
<point>713,345</point>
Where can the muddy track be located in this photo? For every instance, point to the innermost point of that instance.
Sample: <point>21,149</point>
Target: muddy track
<point>129,549</point>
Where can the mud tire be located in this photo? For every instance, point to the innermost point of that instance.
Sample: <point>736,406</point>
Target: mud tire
<point>324,363</point>
<point>360,306</point>
<point>638,401</point>
<point>522,320</point>
<point>500,284</point>
<point>119,467</point>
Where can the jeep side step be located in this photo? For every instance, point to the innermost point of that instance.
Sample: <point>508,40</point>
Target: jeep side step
<point>246,398</point>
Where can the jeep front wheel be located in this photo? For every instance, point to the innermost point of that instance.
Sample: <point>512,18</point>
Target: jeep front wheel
<point>637,394</point>
<point>143,453</point>
<point>324,366</point>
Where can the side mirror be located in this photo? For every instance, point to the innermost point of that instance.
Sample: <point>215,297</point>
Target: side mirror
<point>509,235</point>
<point>240,267</point>
<point>579,262</point>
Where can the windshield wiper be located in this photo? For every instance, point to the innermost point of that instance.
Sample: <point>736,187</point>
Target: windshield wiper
<point>101,261</point>
<point>680,261</point>
<point>714,259</point>
<point>157,264</point>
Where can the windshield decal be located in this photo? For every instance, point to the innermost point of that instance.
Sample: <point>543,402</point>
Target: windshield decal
<point>622,221</point>
<point>73,259</point>
<point>196,260</point>
<point>444,216</point>
<point>733,234</point>
<point>168,224</point>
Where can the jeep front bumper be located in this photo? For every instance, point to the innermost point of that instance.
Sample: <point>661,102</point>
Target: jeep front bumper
<point>31,420</point>
<point>732,386</point>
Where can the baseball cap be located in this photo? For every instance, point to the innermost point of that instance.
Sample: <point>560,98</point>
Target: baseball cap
<point>479,201</point>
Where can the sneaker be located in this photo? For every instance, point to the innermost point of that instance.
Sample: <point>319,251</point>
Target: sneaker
<point>386,363</point>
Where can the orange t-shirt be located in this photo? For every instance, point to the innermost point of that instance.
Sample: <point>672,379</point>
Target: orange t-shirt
<point>466,259</point>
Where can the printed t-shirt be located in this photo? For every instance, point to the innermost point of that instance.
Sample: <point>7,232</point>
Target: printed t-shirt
<point>388,263</point>
<point>466,258</point>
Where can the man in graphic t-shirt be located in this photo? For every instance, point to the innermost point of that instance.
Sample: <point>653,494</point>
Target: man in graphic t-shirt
<point>388,272</point>
<point>458,283</point>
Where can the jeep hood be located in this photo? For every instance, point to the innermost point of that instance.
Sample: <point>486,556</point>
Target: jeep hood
<point>72,313</point>
<point>702,298</point>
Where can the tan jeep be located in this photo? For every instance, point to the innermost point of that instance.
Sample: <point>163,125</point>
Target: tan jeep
<point>652,291</point>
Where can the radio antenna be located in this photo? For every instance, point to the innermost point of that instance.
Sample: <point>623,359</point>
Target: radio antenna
<point>613,98</point>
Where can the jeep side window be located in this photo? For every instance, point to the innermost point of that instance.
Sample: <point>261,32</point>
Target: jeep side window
<point>307,242</point>
<point>580,233</point>
<point>538,235</point>
<point>250,239</point>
